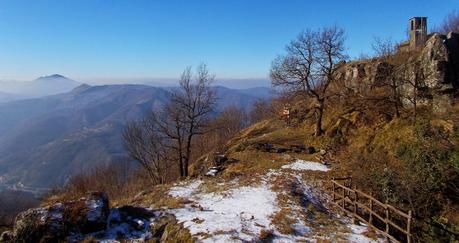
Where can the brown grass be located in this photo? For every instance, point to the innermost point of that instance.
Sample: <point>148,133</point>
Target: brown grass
<point>266,235</point>
<point>283,221</point>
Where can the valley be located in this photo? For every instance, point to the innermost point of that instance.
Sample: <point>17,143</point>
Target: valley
<point>43,141</point>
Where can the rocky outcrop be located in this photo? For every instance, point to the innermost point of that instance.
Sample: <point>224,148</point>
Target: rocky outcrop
<point>167,229</point>
<point>6,236</point>
<point>90,219</point>
<point>56,222</point>
<point>437,61</point>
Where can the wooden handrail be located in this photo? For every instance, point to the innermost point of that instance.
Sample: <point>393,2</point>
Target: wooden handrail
<point>345,196</point>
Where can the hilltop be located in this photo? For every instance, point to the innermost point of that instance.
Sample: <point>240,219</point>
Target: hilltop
<point>388,124</point>
<point>39,87</point>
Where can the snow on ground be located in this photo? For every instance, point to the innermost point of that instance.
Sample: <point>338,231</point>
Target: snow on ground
<point>306,165</point>
<point>134,229</point>
<point>241,213</point>
<point>185,189</point>
<point>357,234</point>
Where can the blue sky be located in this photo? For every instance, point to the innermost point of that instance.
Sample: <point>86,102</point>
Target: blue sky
<point>100,40</point>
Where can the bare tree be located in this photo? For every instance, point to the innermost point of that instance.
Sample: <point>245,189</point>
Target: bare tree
<point>221,129</point>
<point>309,66</point>
<point>195,99</point>
<point>167,134</point>
<point>384,47</point>
<point>294,71</point>
<point>261,109</point>
<point>170,124</point>
<point>385,50</point>
<point>414,79</point>
<point>230,121</point>
<point>145,145</point>
<point>450,23</point>
<point>330,52</point>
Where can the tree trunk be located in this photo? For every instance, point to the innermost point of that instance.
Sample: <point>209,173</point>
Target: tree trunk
<point>395,98</point>
<point>320,113</point>
<point>180,159</point>
<point>186,162</point>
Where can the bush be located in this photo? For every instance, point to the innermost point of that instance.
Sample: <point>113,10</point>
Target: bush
<point>421,175</point>
<point>121,181</point>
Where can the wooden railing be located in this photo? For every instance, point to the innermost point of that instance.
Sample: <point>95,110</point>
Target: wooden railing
<point>393,223</point>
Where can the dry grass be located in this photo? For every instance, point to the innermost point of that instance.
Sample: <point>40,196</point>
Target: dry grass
<point>283,221</point>
<point>90,239</point>
<point>393,133</point>
<point>159,198</point>
<point>290,200</point>
<point>75,212</point>
<point>266,235</point>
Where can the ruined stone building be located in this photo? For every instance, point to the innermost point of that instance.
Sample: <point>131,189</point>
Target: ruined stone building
<point>435,55</point>
<point>417,29</point>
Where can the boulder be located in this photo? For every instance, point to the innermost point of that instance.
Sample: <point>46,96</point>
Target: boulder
<point>97,211</point>
<point>281,150</point>
<point>219,159</point>
<point>297,148</point>
<point>56,222</point>
<point>6,236</point>
<point>310,150</point>
<point>40,224</point>
<point>167,229</point>
<point>265,147</point>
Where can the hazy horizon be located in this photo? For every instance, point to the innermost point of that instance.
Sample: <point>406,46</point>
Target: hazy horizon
<point>241,83</point>
<point>99,41</point>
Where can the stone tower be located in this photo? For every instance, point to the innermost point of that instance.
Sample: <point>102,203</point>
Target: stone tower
<point>418,31</point>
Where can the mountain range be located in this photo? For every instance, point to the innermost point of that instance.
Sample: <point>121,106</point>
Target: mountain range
<point>43,141</point>
<point>42,86</point>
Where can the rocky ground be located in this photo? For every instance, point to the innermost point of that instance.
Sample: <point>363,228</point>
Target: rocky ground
<point>283,205</point>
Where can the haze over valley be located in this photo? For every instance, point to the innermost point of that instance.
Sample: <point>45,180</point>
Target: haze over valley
<point>229,121</point>
<point>45,140</point>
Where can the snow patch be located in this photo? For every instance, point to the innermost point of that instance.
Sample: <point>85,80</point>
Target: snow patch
<point>306,165</point>
<point>136,230</point>
<point>185,189</point>
<point>95,209</point>
<point>212,172</point>
<point>357,235</point>
<point>241,213</point>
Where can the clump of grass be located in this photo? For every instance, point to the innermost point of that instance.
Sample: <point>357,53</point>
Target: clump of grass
<point>283,221</point>
<point>266,235</point>
<point>159,198</point>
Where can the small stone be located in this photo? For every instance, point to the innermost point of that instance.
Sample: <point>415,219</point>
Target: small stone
<point>6,236</point>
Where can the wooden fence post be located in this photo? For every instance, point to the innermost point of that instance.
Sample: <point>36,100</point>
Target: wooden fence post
<point>408,228</point>
<point>384,217</point>
<point>333,188</point>
<point>371,208</point>
<point>387,218</point>
<point>355,204</point>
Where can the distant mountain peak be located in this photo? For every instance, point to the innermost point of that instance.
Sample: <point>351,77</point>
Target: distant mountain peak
<point>53,76</point>
<point>80,88</point>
